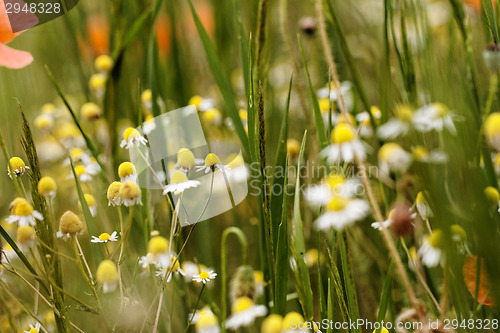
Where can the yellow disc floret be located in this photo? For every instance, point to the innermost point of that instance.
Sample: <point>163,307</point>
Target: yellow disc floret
<point>492,125</point>
<point>107,272</point>
<point>90,111</point>
<point>130,133</point>
<point>186,160</point>
<point>337,204</point>
<point>158,245</point>
<point>89,198</point>
<point>436,239</point>
<point>104,63</point>
<point>211,160</point>
<point>25,233</point>
<point>47,186</point>
<point>291,320</point>
<point>272,324</point>
<point>23,208</point>
<point>178,177</point>
<point>126,169</point>
<point>241,304</point>
<point>343,133</point>
<point>114,190</point>
<point>492,195</point>
<point>104,236</point>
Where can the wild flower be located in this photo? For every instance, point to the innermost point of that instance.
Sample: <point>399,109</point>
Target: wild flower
<point>127,171</point>
<point>421,154</point>
<point>34,328</point>
<point>342,212</point>
<point>493,196</point>
<point>90,111</point>
<point>104,64</point>
<point>130,193</point>
<point>69,225</point>
<point>132,138</point>
<point>47,187</point>
<point>23,213</point>
<point>205,321</point>
<point>392,157</point>
<point>107,276</point>
<point>345,145</point>
<point>25,237</point>
<point>91,203</point>
<point>434,116</point>
<point>16,167</point>
<point>395,127</point>
<point>205,276</point>
<point>105,237</point>
<point>423,208</point>
<point>179,183</point>
<point>272,324</point>
<point>185,160</point>
<point>113,194</point>
<point>244,312</point>
<point>212,161</point>
<point>44,123</point>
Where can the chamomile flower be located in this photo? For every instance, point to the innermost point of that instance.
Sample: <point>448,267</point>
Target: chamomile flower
<point>342,212</point>
<point>127,171</point>
<point>435,116</point>
<point>158,247</point>
<point>493,196</point>
<point>185,160</point>
<point>492,130</point>
<point>132,138</point>
<point>146,99</point>
<point>421,154</point>
<point>97,84</point>
<point>345,145</point>
<point>107,275</point>
<point>16,167</point>
<point>392,157</point>
<point>291,322</point>
<point>331,92</point>
<point>105,237</point>
<point>364,120</point>
<point>272,324</point>
<point>90,111</point>
<point>430,252</point>
<point>47,187</point>
<point>423,207</point>
<point>83,174</point>
<point>91,203</point>
<point>212,117</point>
<point>44,123</point>
<point>69,225</point>
<point>179,183</point>
<point>25,237</point>
<point>149,124</point>
<point>244,312</point>
<point>173,267</point>
<point>148,259</point>
<point>23,213</point>
<point>202,104</point>
<point>113,194</point>
<point>334,184</point>
<point>130,193</point>
<point>205,276</point>
<point>104,64</point>
<point>205,321</point>
<point>212,162</point>
<point>237,170</point>
<point>34,328</point>
<point>293,148</point>
<point>69,135</point>
<point>400,125</point>
<point>78,155</point>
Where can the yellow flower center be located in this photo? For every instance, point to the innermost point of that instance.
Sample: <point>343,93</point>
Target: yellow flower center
<point>242,304</point>
<point>107,272</point>
<point>293,147</point>
<point>492,124</point>
<point>146,96</point>
<point>272,324</point>
<point>420,152</point>
<point>204,275</point>
<point>90,111</point>
<point>104,236</point>
<point>205,319</point>
<point>387,150</point>
<point>186,159</point>
<point>130,133</point>
<point>243,114</point>
<point>33,330</point>
<point>420,199</point>
<point>175,263</point>
<point>404,113</point>
<point>442,110</point>
<point>97,81</point>
<point>211,160</point>
<point>16,163</point>
<point>80,170</point>
<point>291,319</point>
<point>126,169</point>
<point>23,208</point>
<point>130,190</point>
<point>90,199</point>
<point>104,63</point>
<point>436,239</point>
<point>46,185</point>
<point>114,190</point>
<point>335,180</point>
<point>25,233</point>
<point>343,133</point>
<point>337,204</point>
<point>157,245</point>
<point>178,177</point>
<point>44,122</point>
<point>457,230</point>
<point>212,115</point>
<point>324,105</point>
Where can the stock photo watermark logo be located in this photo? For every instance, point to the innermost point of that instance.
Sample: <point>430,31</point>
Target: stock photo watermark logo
<point>25,14</point>
<point>217,176</point>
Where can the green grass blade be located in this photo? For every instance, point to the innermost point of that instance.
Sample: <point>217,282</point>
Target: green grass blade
<point>490,19</point>
<point>386,295</point>
<point>131,33</point>
<point>350,288</point>
<point>250,104</point>
<point>282,262</point>
<point>92,230</point>
<point>88,143</point>
<point>221,80</point>
<point>330,305</point>
<point>243,45</point>
<point>298,249</point>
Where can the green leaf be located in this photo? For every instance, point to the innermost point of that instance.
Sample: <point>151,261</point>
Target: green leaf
<point>386,296</point>
<point>282,262</point>
<point>89,220</point>
<point>221,80</point>
<point>298,249</point>
<point>350,288</point>
<point>490,19</point>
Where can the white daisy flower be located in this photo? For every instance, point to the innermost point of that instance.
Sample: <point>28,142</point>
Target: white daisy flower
<point>364,120</point>
<point>178,183</point>
<point>163,270</point>
<point>130,193</point>
<point>78,155</point>
<point>345,146</point>
<point>244,312</point>
<point>132,138</point>
<point>23,213</point>
<point>212,162</point>
<point>205,321</point>
<point>91,203</point>
<point>430,252</point>
<point>83,174</point>
<point>34,329</point>
<point>205,276</point>
<point>113,194</point>
<point>434,116</point>
<point>333,185</point>
<point>345,90</point>
<point>342,212</point>
<point>396,126</point>
<point>105,237</point>
<point>127,171</point>
<point>421,154</point>
<point>392,157</point>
